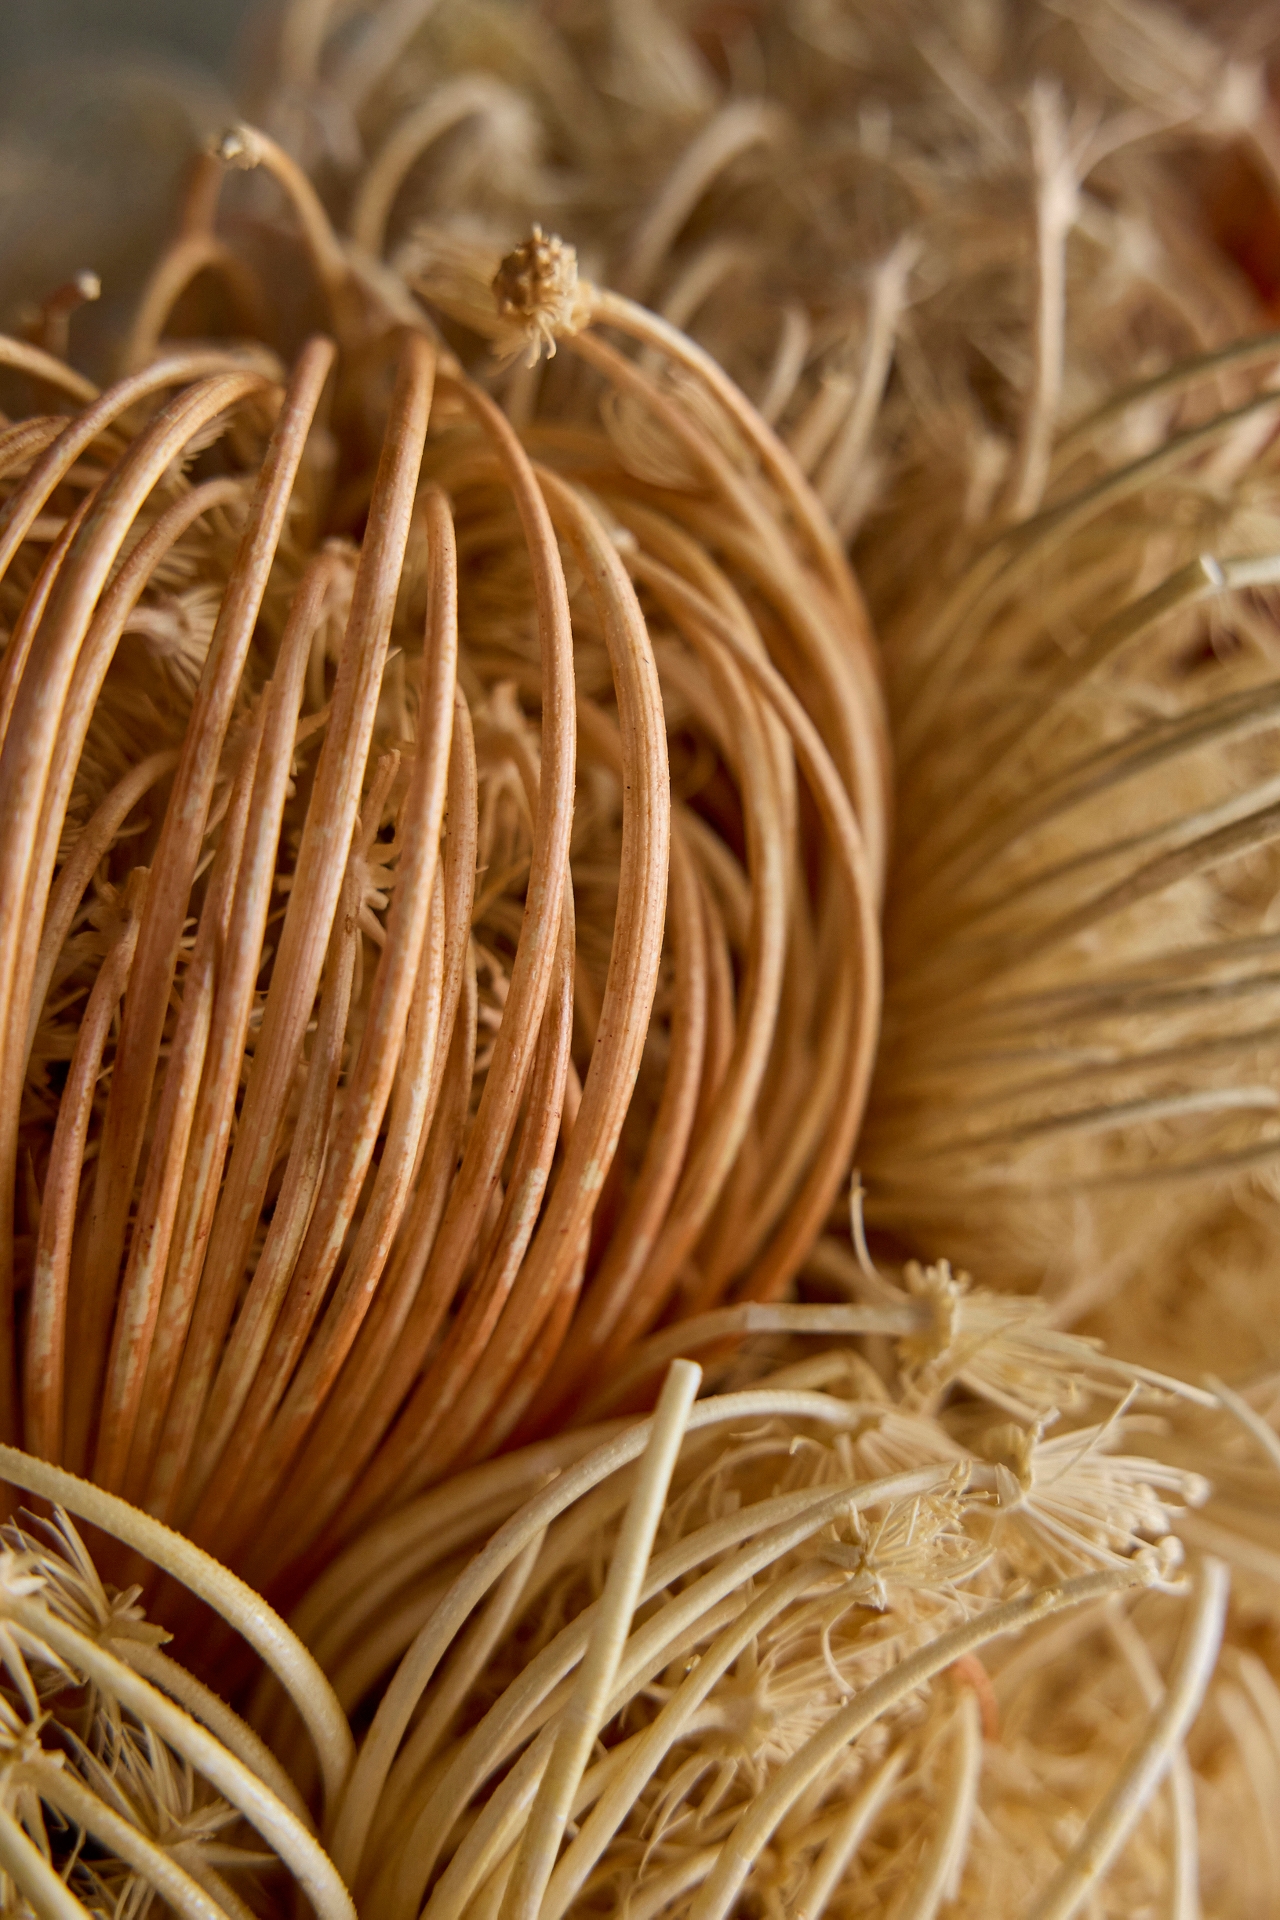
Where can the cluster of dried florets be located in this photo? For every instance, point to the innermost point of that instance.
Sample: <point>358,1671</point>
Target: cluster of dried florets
<point>810,1644</point>
<point>793,1646</point>
<point>123,1780</point>
<point>325,1113</point>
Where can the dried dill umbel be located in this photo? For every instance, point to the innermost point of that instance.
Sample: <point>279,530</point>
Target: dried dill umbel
<point>126,1780</point>
<point>458,856</point>
<point>819,1641</point>
<point>811,1643</point>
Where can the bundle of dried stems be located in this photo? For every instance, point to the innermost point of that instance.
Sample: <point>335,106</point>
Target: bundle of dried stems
<point>452,837</point>
<point>812,1643</point>
<point>924,238</point>
<point>321,1126</point>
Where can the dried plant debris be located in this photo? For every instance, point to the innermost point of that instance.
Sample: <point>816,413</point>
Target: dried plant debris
<point>458,858</point>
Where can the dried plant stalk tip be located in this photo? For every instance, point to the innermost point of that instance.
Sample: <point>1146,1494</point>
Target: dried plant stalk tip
<point>537,284</point>
<point>239,147</point>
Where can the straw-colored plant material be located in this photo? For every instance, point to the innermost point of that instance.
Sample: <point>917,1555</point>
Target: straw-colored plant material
<point>888,1647</point>
<point>856,208</point>
<point>126,1781</point>
<point>1082,1013</point>
<point>827,1640</point>
<point>319,1127</point>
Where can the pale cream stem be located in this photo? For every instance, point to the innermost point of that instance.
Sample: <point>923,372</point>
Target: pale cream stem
<point>40,1884</point>
<point>646,1357</point>
<point>246,1611</point>
<point>1114,1818</point>
<point>938,1876</point>
<point>582,1716</point>
<point>840,1849</point>
<point>1184,1901</point>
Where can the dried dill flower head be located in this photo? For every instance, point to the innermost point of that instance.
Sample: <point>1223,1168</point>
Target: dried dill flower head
<point>988,330</point>
<point>838,1638</point>
<point>456,845</point>
<point>835,1640</point>
<point>856,211</point>
<point>126,1782</point>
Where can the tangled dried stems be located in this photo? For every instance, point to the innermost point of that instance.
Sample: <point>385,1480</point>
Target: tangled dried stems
<point>125,1780</point>
<point>814,1642</point>
<point>868,217</point>
<point>826,1678</point>
<point>346,1145</point>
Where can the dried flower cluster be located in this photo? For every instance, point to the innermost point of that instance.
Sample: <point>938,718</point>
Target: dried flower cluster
<point>810,1643</point>
<point>445,776</point>
<point>123,1780</point>
<point>322,1119</point>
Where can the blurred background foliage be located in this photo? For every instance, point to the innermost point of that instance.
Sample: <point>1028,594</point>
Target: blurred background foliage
<point>102,104</point>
